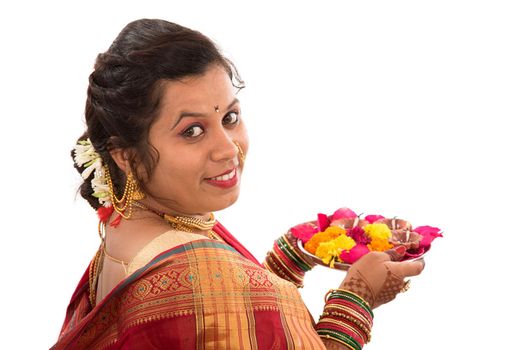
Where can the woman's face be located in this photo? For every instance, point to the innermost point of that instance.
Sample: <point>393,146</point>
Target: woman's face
<point>199,167</point>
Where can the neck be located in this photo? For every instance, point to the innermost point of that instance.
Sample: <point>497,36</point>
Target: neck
<point>160,210</point>
<point>182,222</point>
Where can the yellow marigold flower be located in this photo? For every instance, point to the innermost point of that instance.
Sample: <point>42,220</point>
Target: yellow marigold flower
<point>330,251</point>
<point>344,242</point>
<point>378,231</point>
<point>327,251</point>
<point>329,234</point>
<point>379,244</point>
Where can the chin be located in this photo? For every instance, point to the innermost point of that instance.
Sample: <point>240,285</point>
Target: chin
<point>224,202</point>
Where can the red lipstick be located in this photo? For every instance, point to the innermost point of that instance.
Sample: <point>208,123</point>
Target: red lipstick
<point>225,180</point>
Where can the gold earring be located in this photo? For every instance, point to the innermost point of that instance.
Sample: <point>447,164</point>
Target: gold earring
<point>240,152</point>
<point>131,194</point>
<point>217,110</point>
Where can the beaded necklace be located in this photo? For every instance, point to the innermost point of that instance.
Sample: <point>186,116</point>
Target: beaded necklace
<point>184,223</point>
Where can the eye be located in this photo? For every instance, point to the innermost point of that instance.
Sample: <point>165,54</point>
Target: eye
<point>193,131</point>
<point>231,118</point>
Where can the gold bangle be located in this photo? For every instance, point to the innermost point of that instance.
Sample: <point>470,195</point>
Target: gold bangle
<point>273,267</point>
<point>297,254</point>
<point>350,311</point>
<point>270,259</point>
<point>363,330</point>
<point>363,334</point>
<point>292,273</point>
<point>346,291</point>
<point>327,336</point>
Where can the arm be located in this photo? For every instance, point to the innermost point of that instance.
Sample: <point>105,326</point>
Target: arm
<point>287,261</point>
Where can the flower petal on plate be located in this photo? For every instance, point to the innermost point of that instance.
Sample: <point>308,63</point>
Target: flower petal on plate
<point>429,233</point>
<point>304,232</point>
<point>355,253</point>
<point>343,213</point>
<point>372,218</point>
<point>323,221</point>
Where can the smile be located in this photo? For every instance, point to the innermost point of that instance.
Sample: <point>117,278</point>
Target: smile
<point>224,177</point>
<point>226,180</point>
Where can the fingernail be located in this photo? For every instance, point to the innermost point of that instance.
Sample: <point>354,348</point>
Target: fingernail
<point>400,250</point>
<point>422,261</point>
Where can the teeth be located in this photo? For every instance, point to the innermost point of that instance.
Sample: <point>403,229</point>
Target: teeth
<point>225,177</point>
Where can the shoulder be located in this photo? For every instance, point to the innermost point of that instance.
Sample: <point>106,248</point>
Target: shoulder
<point>160,244</point>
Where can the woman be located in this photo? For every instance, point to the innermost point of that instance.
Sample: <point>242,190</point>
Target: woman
<point>164,148</point>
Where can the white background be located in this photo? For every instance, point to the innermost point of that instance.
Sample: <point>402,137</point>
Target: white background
<point>406,108</point>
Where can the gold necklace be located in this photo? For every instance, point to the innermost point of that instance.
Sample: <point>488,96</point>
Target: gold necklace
<point>185,223</point>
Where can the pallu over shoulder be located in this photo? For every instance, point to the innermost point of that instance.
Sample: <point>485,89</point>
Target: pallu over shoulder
<point>203,294</point>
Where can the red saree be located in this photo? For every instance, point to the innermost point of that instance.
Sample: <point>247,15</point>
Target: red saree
<point>203,294</point>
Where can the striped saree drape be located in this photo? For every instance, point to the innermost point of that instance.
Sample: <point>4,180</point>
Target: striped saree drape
<point>204,294</point>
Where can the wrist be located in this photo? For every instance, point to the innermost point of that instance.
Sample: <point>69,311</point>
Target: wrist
<point>293,241</point>
<point>285,261</point>
<point>346,319</point>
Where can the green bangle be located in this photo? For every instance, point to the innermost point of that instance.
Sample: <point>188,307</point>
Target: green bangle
<point>292,255</point>
<point>346,339</point>
<point>292,249</point>
<point>352,297</point>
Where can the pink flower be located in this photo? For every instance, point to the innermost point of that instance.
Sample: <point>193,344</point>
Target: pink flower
<point>323,222</point>
<point>372,218</point>
<point>429,233</point>
<point>358,234</point>
<point>343,213</point>
<point>304,232</point>
<point>351,256</point>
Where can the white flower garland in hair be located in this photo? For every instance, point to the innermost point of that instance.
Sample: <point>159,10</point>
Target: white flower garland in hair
<point>85,156</point>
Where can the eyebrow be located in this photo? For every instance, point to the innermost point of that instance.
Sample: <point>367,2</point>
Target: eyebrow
<point>185,114</point>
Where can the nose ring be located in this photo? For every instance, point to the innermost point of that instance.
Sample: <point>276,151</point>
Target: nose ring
<point>240,151</point>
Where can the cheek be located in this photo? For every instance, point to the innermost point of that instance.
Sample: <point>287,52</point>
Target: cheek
<point>180,169</point>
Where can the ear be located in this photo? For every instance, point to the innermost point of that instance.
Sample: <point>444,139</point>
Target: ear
<point>121,158</point>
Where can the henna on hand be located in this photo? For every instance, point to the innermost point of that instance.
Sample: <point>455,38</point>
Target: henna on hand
<point>391,287</point>
<point>378,276</point>
<point>359,285</point>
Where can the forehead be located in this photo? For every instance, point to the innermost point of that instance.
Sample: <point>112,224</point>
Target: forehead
<point>193,93</point>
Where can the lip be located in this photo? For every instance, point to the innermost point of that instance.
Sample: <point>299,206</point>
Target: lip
<point>224,173</point>
<point>226,183</point>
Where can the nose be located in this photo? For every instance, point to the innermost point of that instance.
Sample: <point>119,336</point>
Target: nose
<point>223,147</point>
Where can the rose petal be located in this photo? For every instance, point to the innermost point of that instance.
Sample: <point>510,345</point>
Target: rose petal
<point>429,233</point>
<point>372,218</point>
<point>304,232</point>
<point>351,256</point>
<point>415,253</point>
<point>343,213</point>
<point>323,222</point>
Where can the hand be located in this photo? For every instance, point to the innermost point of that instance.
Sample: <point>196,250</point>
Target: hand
<point>378,277</point>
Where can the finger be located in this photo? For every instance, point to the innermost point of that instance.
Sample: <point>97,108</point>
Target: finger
<point>408,268</point>
<point>397,253</point>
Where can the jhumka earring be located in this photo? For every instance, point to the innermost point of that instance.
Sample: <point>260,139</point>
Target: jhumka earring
<point>240,152</point>
<point>131,194</point>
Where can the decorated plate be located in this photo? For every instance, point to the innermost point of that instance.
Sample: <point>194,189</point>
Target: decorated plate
<point>339,240</point>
